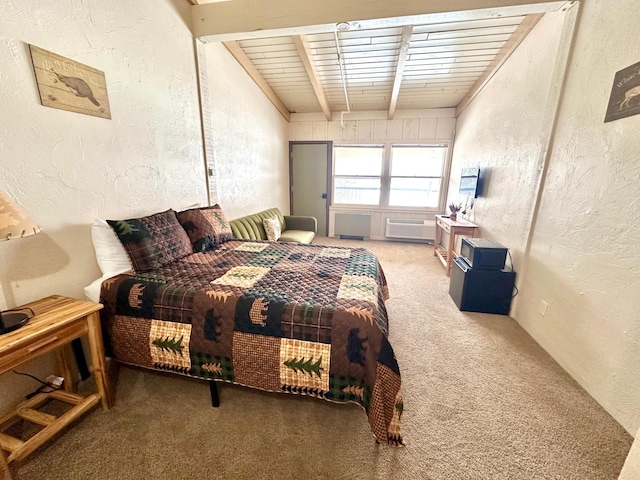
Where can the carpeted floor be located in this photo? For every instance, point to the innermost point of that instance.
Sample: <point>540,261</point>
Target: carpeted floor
<point>481,401</point>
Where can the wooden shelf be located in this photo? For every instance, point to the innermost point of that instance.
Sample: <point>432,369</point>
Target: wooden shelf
<point>447,254</point>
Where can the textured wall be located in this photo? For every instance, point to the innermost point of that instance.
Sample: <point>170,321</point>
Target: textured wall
<point>250,139</point>
<point>65,168</point>
<point>583,258</point>
<point>501,132</point>
<point>631,468</point>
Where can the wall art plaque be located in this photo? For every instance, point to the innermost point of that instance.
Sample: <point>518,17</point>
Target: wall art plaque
<point>69,85</point>
<point>625,94</point>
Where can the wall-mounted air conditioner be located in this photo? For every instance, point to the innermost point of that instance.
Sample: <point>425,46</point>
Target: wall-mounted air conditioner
<point>410,229</point>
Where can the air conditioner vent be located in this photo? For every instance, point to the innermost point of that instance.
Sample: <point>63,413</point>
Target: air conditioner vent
<point>411,229</point>
<point>356,225</point>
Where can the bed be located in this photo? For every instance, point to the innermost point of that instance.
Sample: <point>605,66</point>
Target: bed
<point>280,317</point>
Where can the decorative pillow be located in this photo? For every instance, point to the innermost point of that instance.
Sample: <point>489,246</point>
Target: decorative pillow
<point>152,241</point>
<point>207,227</point>
<point>110,254</point>
<point>272,227</point>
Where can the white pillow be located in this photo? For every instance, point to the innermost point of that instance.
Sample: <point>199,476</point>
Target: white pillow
<point>272,228</point>
<point>92,291</point>
<point>111,255</point>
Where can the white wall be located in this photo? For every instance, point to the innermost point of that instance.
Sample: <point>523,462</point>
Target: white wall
<point>583,259</point>
<point>65,168</point>
<point>249,137</point>
<point>501,132</point>
<point>631,467</point>
<point>407,126</point>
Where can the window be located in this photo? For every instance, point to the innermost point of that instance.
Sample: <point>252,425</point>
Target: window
<point>416,175</point>
<point>357,174</point>
<point>402,176</point>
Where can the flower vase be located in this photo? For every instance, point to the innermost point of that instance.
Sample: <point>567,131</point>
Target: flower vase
<point>453,217</point>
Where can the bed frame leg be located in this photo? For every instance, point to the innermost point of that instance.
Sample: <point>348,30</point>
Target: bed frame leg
<point>215,398</point>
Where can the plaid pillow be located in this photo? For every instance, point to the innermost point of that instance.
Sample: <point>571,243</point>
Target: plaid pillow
<point>152,241</point>
<point>207,227</point>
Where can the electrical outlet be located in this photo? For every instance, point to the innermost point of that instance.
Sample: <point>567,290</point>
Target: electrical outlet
<point>542,309</point>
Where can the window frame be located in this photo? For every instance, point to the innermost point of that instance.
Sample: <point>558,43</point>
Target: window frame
<point>385,178</point>
<point>370,177</point>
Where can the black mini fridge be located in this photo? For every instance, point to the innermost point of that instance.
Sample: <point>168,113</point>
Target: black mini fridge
<point>480,290</point>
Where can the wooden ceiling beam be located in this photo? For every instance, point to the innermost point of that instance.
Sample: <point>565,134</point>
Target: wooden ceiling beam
<point>402,57</point>
<point>236,50</point>
<point>505,52</point>
<point>304,50</point>
<point>242,19</point>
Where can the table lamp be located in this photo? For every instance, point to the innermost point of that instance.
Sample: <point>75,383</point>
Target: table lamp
<point>14,223</point>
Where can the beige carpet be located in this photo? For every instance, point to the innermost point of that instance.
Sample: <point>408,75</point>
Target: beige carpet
<point>482,401</point>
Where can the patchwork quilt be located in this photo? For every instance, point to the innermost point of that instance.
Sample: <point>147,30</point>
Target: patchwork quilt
<point>281,317</point>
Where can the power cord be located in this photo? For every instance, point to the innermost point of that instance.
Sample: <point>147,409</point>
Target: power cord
<point>511,262</point>
<point>53,387</point>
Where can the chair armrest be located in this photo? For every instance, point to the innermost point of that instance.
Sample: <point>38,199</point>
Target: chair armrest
<point>295,222</point>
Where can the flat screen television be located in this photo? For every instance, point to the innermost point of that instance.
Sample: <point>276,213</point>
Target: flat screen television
<point>469,182</point>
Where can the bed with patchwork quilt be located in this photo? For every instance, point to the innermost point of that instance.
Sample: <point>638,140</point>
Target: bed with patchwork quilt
<point>280,317</point>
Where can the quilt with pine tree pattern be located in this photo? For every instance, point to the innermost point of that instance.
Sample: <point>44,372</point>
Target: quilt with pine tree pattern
<point>281,317</point>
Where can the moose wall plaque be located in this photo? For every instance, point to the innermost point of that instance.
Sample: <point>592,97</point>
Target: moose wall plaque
<point>625,94</point>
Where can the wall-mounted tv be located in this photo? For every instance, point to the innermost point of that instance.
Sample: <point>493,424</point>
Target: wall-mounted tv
<point>470,182</point>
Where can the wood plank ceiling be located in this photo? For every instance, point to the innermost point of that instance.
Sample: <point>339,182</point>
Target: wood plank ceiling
<point>382,69</point>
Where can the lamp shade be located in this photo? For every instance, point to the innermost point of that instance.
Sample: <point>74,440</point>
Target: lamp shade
<point>14,223</point>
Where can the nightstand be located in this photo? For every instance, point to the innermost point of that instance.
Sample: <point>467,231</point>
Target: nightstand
<point>56,322</point>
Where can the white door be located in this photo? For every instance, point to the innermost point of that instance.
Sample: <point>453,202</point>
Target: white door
<point>310,164</point>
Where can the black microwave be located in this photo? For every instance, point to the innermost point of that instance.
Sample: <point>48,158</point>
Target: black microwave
<point>483,253</point>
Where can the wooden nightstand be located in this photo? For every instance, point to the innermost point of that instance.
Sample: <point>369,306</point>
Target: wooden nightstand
<point>57,321</point>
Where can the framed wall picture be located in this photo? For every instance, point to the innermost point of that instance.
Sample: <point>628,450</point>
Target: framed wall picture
<point>625,94</point>
<point>69,85</point>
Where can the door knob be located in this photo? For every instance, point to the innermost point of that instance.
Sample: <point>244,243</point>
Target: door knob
<point>324,195</point>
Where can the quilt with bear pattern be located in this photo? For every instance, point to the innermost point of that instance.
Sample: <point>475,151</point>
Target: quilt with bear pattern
<point>281,317</point>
